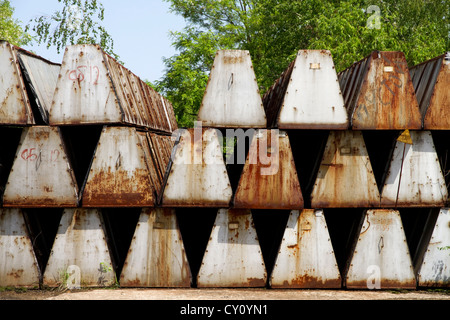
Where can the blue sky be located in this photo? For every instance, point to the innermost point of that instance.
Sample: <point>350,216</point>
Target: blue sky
<point>139,28</point>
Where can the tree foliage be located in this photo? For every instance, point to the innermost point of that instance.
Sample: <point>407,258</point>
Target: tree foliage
<point>78,22</point>
<point>10,28</point>
<point>274,30</point>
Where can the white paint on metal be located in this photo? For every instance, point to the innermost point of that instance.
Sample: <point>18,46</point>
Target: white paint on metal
<point>434,270</point>
<point>380,245</point>
<point>232,97</point>
<point>157,256</point>
<point>313,97</point>
<point>233,256</point>
<point>198,176</point>
<point>41,174</point>
<point>415,177</point>
<point>345,177</point>
<point>80,241</point>
<point>306,257</point>
<point>18,264</point>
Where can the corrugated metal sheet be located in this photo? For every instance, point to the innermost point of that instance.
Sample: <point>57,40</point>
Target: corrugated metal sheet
<point>80,242</point>
<point>380,257</point>
<point>431,80</point>
<point>157,256</point>
<point>93,88</point>
<point>378,93</point>
<point>15,108</point>
<point>433,266</point>
<point>233,256</point>
<point>345,177</point>
<point>306,257</point>
<point>415,178</point>
<point>41,175</point>
<point>18,263</point>
<point>269,179</point>
<point>232,97</point>
<point>119,175</point>
<point>307,95</point>
<point>197,175</point>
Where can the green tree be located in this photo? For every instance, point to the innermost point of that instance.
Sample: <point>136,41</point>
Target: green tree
<point>274,30</point>
<point>10,28</point>
<point>78,22</point>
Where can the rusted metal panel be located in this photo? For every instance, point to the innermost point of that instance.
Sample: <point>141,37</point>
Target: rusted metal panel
<point>434,265</point>
<point>306,257</point>
<point>42,76</point>
<point>379,94</point>
<point>41,175</point>
<point>232,97</point>
<point>15,108</point>
<point>80,244</point>
<point>307,95</point>
<point>93,88</point>
<point>233,256</point>
<point>345,177</point>
<point>18,263</point>
<point>269,179</point>
<point>156,257</point>
<point>380,257</point>
<point>197,176</point>
<point>119,175</point>
<point>415,178</point>
<point>431,80</point>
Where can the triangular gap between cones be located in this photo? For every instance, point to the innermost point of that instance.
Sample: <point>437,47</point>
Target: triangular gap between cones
<point>441,140</point>
<point>8,149</point>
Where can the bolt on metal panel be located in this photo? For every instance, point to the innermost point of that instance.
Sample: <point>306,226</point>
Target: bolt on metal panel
<point>93,88</point>
<point>345,177</point>
<point>433,264</point>
<point>15,108</point>
<point>431,80</point>
<point>41,175</point>
<point>269,179</point>
<point>307,95</point>
<point>80,256</point>
<point>306,257</point>
<point>18,263</point>
<point>415,178</point>
<point>379,94</point>
<point>233,256</point>
<point>119,175</point>
<point>232,98</point>
<point>197,175</point>
<point>156,257</point>
<point>380,257</point>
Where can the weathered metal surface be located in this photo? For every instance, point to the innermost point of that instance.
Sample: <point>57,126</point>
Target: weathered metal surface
<point>156,257</point>
<point>345,177</point>
<point>307,95</point>
<point>431,80</point>
<point>433,266</point>
<point>380,257</point>
<point>197,176</point>
<point>269,179</point>
<point>18,263</point>
<point>306,257</point>
<point>80,244</point>
<point>42,76</point>
<point>233,256</point>
<point>93,88</point>
<point>15,108</point>
<point>41,175</point>
<point>415,178</point>
<point>379,94</point>
<point>232,97</point>
<point>119,175</point>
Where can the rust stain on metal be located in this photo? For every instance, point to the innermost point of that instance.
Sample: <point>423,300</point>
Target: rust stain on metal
<point>379,94</point>
<point>271,182</point>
